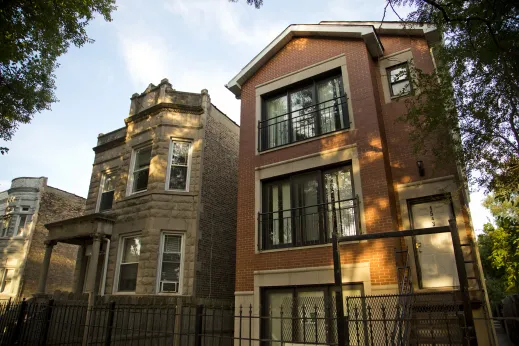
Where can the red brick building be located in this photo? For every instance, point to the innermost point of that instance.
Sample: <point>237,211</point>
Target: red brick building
<point>320,149</point>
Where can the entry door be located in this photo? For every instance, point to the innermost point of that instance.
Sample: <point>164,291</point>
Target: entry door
<point>435,254</point>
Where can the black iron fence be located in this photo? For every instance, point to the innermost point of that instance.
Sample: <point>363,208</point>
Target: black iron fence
<point>370,320</point>
<point>308,225</point>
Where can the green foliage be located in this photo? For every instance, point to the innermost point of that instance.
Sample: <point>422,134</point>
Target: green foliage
<point>33,34</point>
<point>468,108</point>
<point>499,246</point>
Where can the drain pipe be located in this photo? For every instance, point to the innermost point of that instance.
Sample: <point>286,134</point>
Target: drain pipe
<point>105,266</point>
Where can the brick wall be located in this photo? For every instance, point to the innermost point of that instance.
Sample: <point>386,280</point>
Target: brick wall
<point>55,205</point>
<point>216,255</point>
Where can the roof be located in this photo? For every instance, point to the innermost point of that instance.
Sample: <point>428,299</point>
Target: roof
<point>368,31</point>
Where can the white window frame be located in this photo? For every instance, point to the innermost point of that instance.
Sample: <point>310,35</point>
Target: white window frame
<point>2,281</point>
<point>118,262</point>
<point>18,215</point>
<point>129,188</point>
<point>100,192</point>
<point>189,159</point>
<point>159,262</point>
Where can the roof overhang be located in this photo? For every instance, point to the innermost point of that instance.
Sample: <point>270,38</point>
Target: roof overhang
<point>368,31</point>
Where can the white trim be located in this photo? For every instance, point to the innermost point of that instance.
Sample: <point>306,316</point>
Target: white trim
<point>115,288</point>
<point>159,264</point>
<point>129,187</point>
<point>189,159</point>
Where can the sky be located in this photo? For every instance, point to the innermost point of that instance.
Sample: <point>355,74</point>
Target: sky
<point>196,44</point>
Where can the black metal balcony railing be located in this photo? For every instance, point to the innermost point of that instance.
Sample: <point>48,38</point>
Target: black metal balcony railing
<point>312,121</point>
<point>309,225</point>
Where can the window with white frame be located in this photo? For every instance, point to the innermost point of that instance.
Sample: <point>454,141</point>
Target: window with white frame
<point>106,193</point>
<point>16,224</point>
<point>140,169</point>
<point>399,80</point>
<point>6,285</point>
<point>128,265</point>
<point>170,265</point>
<point>179,165</point>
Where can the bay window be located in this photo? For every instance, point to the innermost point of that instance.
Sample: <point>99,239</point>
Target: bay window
<point>308,110</point>
<point>304,208</point>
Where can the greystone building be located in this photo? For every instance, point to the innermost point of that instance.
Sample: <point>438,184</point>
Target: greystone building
<point>25,207</point>
<point>161,209</point>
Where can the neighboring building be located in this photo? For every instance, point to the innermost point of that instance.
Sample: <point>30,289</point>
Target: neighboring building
<point>161,209</point>
<point>320,145</point>
<point>24,209</point>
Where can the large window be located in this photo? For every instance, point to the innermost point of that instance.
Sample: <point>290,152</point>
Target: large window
<point>302,314</point>
<point>308,110</point>
<point>140,169</point>
<point>106,193</point>
<point>179,165</point>
<point>130,252</point>
<point>170,266</point>
<point>304,209</point>
<point>6,285</point>
<point>399,80</point>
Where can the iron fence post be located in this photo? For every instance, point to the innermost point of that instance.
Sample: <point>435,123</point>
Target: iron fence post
<point>46,322</point>
<point>110,324</point>
<point>463,282</point>
<point>19,323</point>
<point>198,325</point>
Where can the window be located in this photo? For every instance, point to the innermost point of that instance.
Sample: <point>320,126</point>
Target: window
<point>6,286</point>
<point>399,81</point>
<point>106,197</point>
<point>305,208</point>
<point>22,223</point>
<point>15,225</point>
<point>140,169</point>
<point>170,267</point>
<point>179,165</point>
<point>312,109</point>
<point>130,252</point>
<point>302,314</point>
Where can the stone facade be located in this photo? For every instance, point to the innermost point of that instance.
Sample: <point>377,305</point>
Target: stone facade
<point>23,252</point>
<point>203,214</point>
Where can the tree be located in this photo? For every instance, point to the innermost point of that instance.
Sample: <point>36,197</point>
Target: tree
<point>468,108</point>
<point>33,34</point>
<point>499,246</point>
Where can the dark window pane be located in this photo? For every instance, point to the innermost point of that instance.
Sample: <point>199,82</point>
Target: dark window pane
<point>140,180</point>
<point>277,125</point>
<point>178,178</point>
<point>170,287</point>
<point>306,192</point>
<point>142,158</point>
<point>107,199</point>
<point>303,114</point>
<point>128,277</point>
<point>170,271</point>
<point>329,94</point>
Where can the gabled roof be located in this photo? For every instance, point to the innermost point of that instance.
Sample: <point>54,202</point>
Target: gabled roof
<point>368,31</point>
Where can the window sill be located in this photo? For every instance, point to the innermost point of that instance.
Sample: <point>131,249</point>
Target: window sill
<point>12,238</point>
<point>326,135</point>
<point>394,98</point>
<point>160,192</point>
<point>123,293</point>
<point>306,247</point>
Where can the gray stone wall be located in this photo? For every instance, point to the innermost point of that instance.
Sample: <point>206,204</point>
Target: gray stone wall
<point>216,251</point>
<point>55,205</point>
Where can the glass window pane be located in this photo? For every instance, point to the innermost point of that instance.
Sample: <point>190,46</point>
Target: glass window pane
<point>172,243</point>
<point>142,158</point>
<point>178,178</point>
<point>128,277</point>
<point>311,319</point>
<point>107,199</point>
<point>306,200</point>
<point>398,73</point>
<point>180,153</point>
<point>171,257</point>
<point>329,96</point>
<point>303,114</point>
<point>131,250</point>
<point>7,283</point>
<point>21,225</point>
<point>339,189</point>
<point>109,184</point>
<point>140,180</point>
<point>277,126</point>
<point>279,304</point>
<point>401,88</point>
<point>170,272</point>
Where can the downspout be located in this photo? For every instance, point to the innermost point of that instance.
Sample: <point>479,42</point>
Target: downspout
<point>105,266</point>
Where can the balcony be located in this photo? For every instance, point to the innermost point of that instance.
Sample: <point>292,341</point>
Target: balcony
<point>304,123</point>
<point>308,225</point>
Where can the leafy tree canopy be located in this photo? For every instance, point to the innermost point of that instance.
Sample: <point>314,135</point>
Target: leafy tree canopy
<point>33,34</point>
<point>472,99</point>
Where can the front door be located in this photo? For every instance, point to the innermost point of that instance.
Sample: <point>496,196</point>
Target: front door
<point>435,253</point>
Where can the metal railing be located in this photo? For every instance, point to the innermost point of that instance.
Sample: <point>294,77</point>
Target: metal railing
<point>308,225</point>
<point>304,123</point>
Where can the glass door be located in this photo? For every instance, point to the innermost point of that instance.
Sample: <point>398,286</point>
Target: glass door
<point>340,206</point>
<point>277,222</point>
<point>305,204</point>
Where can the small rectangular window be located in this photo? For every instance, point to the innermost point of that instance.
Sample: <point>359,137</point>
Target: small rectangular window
<point>107,193</point>
<point>170,263</point>
<point>25,208</point>
<point>179,164</point>
<point>129,264</point>
<point>7,280</point>
<point>21,225</point>
<point>141,169</point>
<point>399,81</point>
